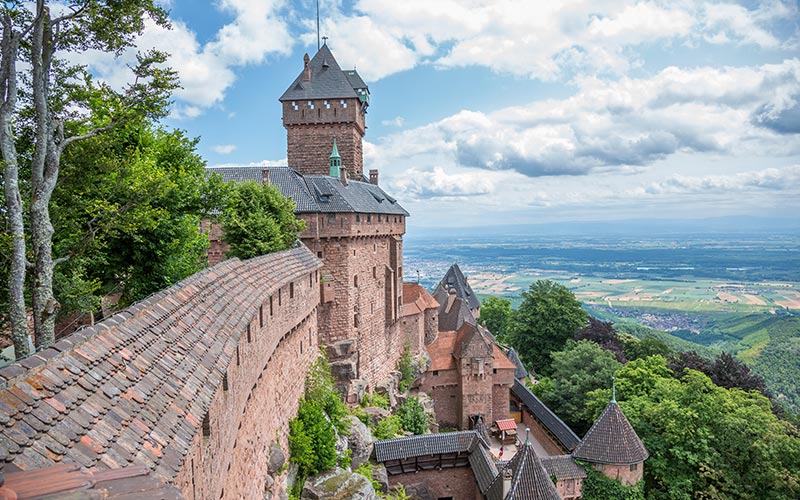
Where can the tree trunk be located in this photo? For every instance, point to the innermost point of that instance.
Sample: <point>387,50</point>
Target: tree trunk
<point>44,175</point>
<point>16,281</point>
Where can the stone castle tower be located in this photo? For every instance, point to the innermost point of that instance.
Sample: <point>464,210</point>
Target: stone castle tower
<point>324,102</point>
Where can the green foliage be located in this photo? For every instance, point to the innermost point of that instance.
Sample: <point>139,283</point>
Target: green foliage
<point>548,316</point>
<point>320,388</point>
<point>126,210</point>
<point>596,486</point>
<point>777,362</point>
<point>388,428</point>
<point>359,413</point>
<point>412,416</point>
<point>365,469</point>
<point>706,441</point>
<point>496,313</point>
<point>646,346</point>
<point>406,368</point>
<point>398,493</point>
<point>580,368</point>
<point>375,399</point>
<point>259,220</point>
<point>312,442</point>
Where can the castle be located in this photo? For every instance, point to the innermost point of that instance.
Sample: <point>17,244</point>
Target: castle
<point>187,394</point>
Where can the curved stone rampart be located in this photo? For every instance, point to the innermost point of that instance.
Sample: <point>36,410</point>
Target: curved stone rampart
<point>174,382</point>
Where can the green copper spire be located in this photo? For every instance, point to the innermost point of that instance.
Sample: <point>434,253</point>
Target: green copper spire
<point>336,160</point>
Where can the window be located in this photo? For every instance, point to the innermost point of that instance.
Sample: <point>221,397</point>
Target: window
<point>400,271</point>
<point>379,217</point>
<point>374,272</point>
<point>331,218</point>
<point>206,426</point>
<point>291,290</point>
<point>260,320</point>
<point>435,373</point>
<point>327,104</point>
<point>310,280</point>
<point>270,305</point>
<point>225,382</point>
<point>310,104</point>
<point>494,371</point>
<point>294,105</point>
<point>369,218</point>
<point>355,281</point>
<point>319,255</point>
<point>358,218</point>
<point>248,333</point>
<point>634,467</point>
<point>280,297</point>
<point>355,320</point>
<point>238,360</point>
<point>343,103</point>
<point>374,247</point>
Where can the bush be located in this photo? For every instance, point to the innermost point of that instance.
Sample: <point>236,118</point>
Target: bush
<point>365,470</point>
<point>406,368</point>
<point>398,493</point>
<point>412,416</point>
<point>320,388</point>
<point>388,428</point>
<point>596,486</point>
<point>375,399</point>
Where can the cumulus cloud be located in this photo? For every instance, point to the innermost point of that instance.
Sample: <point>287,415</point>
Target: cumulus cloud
<point>224,149</point>
<point>436,183</point>
<point>622,124</point>
<point>397,121</point>
<point>537,39</point>
<point>775,179</point>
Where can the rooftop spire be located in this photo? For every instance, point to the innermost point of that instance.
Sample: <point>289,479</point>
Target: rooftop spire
<point>613,389</point>
<point>335,160</point>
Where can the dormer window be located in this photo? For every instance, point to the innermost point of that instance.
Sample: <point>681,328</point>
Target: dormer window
<point>343,103</point>
<point>294,105</point>
<point>327,104</point>
<point>310,104</point>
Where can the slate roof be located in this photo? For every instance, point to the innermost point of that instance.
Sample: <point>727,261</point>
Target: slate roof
<point>611,440</point>
<point>520,371</point>
<point>328,81</point>
<point>68,481</point>
<point>563,467</point>
<point>455,279</point>
<point>561,431</point>
<point>483,468</point>
<point>134,389</point>
<point>530,481</point>
<point>319,193</point>
<point>453,311</point>
<point>426,444</point>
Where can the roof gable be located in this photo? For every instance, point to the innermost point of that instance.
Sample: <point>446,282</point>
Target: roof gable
<point>530,481</point>
<point>328,81</point>
<point>611,440</point>
<point>455,279</point>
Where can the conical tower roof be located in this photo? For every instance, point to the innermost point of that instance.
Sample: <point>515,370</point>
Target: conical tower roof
<point>327,81</point>
<point>611,440</point>
<point>530,480</point>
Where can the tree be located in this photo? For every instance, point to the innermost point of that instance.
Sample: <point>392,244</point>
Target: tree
<point>496,313</point>
<point>412,416</point>
<point>603,334</point>
<point>63,106</point>
<point>705,441</point>
<point>548,316</point>
<point>580,368</point>
<point>259,220</point>
<point>647,346</point>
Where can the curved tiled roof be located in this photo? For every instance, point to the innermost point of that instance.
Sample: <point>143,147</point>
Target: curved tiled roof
<point>611,440</point>
<point>561,431</point>
<point>426,444</point>
<point>563,467</point>
<point>134,389</point>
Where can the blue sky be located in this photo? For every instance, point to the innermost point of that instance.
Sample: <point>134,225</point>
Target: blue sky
<point>516,111</point>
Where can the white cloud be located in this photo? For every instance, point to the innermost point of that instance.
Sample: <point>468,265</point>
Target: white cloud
<point>775,179</point>
<point>397,121</point>
<point>262,163</point>
<point>224,149</point>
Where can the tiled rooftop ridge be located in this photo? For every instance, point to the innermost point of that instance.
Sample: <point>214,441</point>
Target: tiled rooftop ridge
<point>134,389</point>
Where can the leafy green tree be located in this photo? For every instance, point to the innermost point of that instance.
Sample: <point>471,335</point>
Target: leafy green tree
<point>647,346</point>
<point>496,313</point>
<point>596,486</point>
<point>705,441</point>
<point>259,220</point>
<point>548,316</point>
<point>60,105</point>
<point>603,334</point>
<point>321,388</point>
<point>388,428</point>
<point>412,416</point>
<point>405,365</point>
<point>580,368</point>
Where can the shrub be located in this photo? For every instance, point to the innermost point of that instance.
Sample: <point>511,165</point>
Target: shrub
<point>412,416</point>
<point>388,428</point>
<point>406,368</point>
<point>375,399</point>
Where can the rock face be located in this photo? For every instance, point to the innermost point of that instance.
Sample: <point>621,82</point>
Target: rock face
<point>389,388</point>
<point>359,441</point>
<point>380,475</point>
<point>376,414</point>
<point>276,458</point>
<point>338,484</point>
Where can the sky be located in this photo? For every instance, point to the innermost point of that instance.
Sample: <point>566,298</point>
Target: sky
<point>514,111</point>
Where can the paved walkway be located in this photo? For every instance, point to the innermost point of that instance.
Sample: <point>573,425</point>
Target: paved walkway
<point>510,450</point>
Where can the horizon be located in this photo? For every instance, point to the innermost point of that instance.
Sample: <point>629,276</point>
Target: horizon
<point>553,113</point>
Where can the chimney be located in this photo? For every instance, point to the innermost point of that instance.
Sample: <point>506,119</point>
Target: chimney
<point>343,176</point>
<point>306,69</point>
<point>508,476</point>
<point>265,175</point>
<point>373,176</point>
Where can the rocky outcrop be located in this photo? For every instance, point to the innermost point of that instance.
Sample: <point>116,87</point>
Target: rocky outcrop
<point>359,441</point>
<point>276,458</point>
<point>338,484</point>
<point>380,476</point>
<point>376,414</point>
<point>389,388</point>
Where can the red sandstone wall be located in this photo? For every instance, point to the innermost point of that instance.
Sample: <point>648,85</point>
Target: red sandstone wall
<point>569,488</point>
<point>216,248</point>
<point>456,482</point>
<point>444,390</point>
<point>622,473</point>
<point>541,435</point>
<point>264,387</point>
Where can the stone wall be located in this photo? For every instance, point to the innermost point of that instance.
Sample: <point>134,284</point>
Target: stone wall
<point>309,148</point>
<point>216,248</point>
<point>570,488</point>
<point>443,387</point>
<point>457,483</point>
<point>540,435</point>
<point>622,473</point>
<point>260,392</point>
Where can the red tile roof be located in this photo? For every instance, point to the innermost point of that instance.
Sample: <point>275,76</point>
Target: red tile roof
<point>134,389</point>
<point>507,424</point>
<point>442,351</point>
<point>416,299</point>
